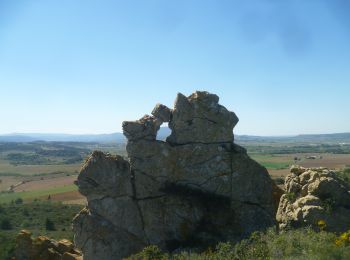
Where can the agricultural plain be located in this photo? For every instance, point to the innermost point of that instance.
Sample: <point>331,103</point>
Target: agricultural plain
<point>44,170</point>
<point>47,170</point>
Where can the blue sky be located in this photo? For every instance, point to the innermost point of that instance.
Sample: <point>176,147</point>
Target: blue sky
<point>85,66</point>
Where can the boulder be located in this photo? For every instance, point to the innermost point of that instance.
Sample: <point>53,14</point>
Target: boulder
<point>43,248</point>
<point>314,195</point>
<point>193,190</point>
<point>199,118</point>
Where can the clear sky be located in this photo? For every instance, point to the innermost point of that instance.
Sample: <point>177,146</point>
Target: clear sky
<point>84,66</point>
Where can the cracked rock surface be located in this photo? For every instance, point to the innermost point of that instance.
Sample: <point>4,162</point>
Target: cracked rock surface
<point>193,190</point>
<point>313,195</point>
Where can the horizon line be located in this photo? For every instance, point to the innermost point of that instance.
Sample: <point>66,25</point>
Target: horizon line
<point>97,134</point>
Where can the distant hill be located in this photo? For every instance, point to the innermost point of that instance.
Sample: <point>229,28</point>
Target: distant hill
<point>340,137</point>
<point>99,138</point>
<point>165,131</point>
<point>309,138</point>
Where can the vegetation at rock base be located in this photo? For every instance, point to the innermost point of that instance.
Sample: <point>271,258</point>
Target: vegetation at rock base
<point>345,174</point>
<point>292,244</point>
<point>47,218</point>
<point>49,225</point>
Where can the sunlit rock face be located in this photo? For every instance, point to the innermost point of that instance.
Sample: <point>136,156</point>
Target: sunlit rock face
<point>315,197</point>
<point>191,191</point>
<point>44,248</point>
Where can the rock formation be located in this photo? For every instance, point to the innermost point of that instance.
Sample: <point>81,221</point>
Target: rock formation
<point>191,191</point>
<point>313,195</point>
<point>44,248</point>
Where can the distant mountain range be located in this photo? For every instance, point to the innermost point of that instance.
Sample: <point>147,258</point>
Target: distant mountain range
<point>96,138</point>
<point>304,138</point>
<point>164,132</point>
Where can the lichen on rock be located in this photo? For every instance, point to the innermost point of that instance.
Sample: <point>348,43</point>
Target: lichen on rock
<point>193,190</point>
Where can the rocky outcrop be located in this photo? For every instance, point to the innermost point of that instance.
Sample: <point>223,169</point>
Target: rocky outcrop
<point>44,248</point>
<point>191,191</point>
<point>315,197</point>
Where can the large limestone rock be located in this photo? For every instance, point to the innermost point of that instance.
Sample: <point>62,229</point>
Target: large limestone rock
<point>314,195</point>
<point>193,190</point>
<point>43,248</point>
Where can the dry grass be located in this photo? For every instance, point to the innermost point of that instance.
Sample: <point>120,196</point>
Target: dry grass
<point>69,197</point>
<point>46,183</point>
<point>331,161</point>
<point>7,168</point>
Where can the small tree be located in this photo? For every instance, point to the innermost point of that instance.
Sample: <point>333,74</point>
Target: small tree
<point>49,225</point>
<point>19,201</point>
<point>6,224</point>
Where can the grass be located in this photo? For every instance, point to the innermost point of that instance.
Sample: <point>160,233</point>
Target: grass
<point>7,169</point>
<point>31,195</point>
<point>275,165</point>
<point>272,162</point>
<point>345,174</point>
<point>293,244</point>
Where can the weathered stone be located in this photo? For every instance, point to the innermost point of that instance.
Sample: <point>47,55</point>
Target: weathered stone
<point>193,190</point>
<point>44,248</point>
<point>162,112</point>
<point>100,239</point>
<point>322,196</point>
<point>144,128</point>
<point>200,119</point>
<point>64,245</point>
<point>104,175</point>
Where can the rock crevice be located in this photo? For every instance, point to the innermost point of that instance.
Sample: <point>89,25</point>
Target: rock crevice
<point>192,190</point>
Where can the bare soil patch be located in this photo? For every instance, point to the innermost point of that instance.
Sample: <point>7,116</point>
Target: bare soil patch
<point>70,197</point>
<point>41,184</point>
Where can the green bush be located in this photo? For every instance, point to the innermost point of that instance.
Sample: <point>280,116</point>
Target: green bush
<point>5,224</point>
<point>19,201</point>
<point>293,244</point>
<point>49,225</point>
<point>7,245</point>
<point>150,253</point>
<point>291,197</point>
<point>345,175</point>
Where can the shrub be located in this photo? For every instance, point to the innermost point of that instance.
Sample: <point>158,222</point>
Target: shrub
<point>291,197</point>
<point>49,225</point>
<point>5,224</point>
<point>292,244</point>
<point>7,246</point>
<point>151,252</point>
<point>345,175</point>
<point>19,201</point>
<point>343,239</point>
<point>279,180</point>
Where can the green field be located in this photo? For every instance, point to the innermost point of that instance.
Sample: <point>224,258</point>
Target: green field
<point>273,162</point>
<point>31,195</point>
<point>7,169</point>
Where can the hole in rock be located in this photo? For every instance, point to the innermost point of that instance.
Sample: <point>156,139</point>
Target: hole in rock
<point>163,132</point>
